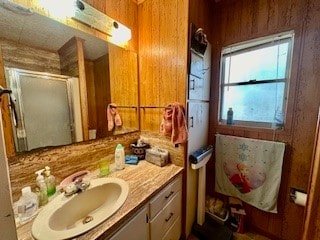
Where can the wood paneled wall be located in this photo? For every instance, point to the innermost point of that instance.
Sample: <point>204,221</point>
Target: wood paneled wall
<point>72,64</point>
<point>123,66</point>
<point>312,213</point>
<point>6,116</point>
<point>200,13</point>
<point>163,35</point>
<point>246,19</point>
<point>102,94</point>
<point>91,93</point>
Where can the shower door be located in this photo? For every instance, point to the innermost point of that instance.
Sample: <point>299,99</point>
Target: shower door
<point>44,109</point>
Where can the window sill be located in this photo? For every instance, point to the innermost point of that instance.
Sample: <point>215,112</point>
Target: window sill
<point>256,127</point>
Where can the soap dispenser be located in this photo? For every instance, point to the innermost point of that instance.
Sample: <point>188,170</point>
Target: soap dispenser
<point>50,182</point>
<point>43,191</point>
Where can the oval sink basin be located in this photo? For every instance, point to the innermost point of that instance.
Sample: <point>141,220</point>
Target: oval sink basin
<point>66,217</point>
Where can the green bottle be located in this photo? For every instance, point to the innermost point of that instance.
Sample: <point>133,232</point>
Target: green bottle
<point>50,182</point>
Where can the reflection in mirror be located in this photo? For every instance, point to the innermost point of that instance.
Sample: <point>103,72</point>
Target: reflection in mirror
<point>45,105</point>
<point>104,72</point>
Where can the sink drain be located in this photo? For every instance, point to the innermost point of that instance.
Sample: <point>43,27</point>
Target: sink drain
<point>87,219</point>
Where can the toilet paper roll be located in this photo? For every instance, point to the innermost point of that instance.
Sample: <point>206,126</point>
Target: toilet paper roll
<point>300,198</point>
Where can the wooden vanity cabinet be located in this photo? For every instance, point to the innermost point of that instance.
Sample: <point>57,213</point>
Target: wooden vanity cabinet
<point>165,210</point>
<point>159,219</point>
<point>137,228</point>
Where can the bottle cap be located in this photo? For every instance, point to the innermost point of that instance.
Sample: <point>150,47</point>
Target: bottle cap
<point>119,146</point>
<point>39,173</point>
<point>26,190</point>
<point>47,171</point>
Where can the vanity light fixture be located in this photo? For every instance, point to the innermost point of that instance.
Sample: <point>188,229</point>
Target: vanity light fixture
<point>90,16</point>
<point>59,9</point>
<point>80,5</point>
<point>120,33</point>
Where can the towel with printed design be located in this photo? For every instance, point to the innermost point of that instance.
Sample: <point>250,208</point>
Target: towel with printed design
<point>249,169</point>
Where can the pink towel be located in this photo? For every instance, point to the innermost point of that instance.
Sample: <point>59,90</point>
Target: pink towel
<point>174,123</point>
<point>113,117</point>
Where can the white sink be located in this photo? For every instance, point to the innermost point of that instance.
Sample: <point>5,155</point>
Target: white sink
<point>66,217</point>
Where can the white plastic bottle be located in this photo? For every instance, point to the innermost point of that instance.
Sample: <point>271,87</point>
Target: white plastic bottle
<point>27,204</point>
<point>119,157</point>
<point>43,198</point>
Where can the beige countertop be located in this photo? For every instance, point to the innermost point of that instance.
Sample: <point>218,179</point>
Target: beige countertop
<point>144,179</point>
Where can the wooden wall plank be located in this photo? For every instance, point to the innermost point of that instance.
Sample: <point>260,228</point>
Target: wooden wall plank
<point>261,18</point>
<point>102,94</point>
<point>92,113</point>
<point>162,72</point>
<point>6,116</point>
<point>124,82</point>
<point>72,64</point>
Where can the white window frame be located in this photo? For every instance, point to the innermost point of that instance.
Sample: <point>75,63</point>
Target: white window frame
<point>258,43</point>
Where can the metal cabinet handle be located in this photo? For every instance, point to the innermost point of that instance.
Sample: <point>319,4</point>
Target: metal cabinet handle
<point>168,218</point>
<point>191,122</point>
<point>192,84</point>
<point>169,195</point>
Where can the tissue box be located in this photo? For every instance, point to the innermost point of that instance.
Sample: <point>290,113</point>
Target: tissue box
<point>157,156</point>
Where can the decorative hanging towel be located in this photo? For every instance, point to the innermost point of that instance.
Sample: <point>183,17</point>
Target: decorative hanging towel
<point>249,169</point>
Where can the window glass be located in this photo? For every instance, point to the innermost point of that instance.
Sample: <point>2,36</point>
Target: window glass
<point>258,102</point>
<point>260,64</point>
<point>254,82</point>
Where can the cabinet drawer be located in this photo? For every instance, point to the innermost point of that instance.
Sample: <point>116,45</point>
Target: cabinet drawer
<point>174,231</point>
<point>159,201</point>
<point>166,218</point>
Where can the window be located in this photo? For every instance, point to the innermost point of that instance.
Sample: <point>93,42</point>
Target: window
<point>254,81</point>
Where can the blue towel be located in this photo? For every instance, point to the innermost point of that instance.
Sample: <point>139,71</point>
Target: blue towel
<point>131,159</point>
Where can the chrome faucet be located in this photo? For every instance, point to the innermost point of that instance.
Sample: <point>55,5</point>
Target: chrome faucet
<point>76,186</point>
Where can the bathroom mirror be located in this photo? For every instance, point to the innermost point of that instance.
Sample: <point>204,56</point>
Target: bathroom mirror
<point>32,42</point>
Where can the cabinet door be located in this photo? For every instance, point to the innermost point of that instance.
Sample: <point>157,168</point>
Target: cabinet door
<point>198,114</point>
<point>200,76</point>
<point>136,229</point>
<point>195,88</point>
<point>196,65</point>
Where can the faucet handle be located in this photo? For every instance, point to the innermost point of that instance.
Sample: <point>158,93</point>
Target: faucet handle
<point>70,189</point>
<point>83,186</point>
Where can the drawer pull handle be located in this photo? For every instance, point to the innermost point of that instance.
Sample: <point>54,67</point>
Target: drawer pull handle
<point>192,84</point>
<point>169,195</point>
<point>168,218</point>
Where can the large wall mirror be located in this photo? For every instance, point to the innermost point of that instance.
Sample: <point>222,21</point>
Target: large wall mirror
<point>44,58</point>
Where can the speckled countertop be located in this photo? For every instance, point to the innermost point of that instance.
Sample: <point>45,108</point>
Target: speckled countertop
<point>144,179</point>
